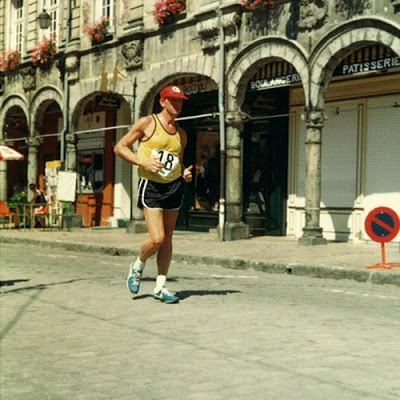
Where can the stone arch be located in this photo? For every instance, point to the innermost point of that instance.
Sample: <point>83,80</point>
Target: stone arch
<point>79,106</point>
<point>167,72</point>
<point>342,41</point>
<point>14,100</point>
<point>254,56</point>
<point>41,100</point>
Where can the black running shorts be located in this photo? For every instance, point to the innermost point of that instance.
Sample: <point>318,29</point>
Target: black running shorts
<point>160,196</point>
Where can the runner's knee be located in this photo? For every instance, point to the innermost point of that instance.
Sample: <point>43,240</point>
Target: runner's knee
<point>157,240</point>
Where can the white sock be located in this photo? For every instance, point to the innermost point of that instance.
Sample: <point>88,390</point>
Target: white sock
<point>160,282</point>
<point>139,264</point>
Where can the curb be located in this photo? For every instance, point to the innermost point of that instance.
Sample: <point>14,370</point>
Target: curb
<point>295,269</point>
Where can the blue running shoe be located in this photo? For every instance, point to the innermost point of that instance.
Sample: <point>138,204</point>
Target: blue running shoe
<point>133,280</point>
<point>165,296</point>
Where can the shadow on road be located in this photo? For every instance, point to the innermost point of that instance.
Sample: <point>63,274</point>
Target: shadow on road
<point>184,294</point>
<point>12,282</point>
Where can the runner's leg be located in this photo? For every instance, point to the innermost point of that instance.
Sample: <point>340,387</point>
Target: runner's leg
<point>155,225</point>
<point>164,254</point>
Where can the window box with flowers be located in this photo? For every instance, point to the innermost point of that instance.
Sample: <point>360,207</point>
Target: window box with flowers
<point>99,30</point>
<point>44,52</point>
<point>165,11</point>
<point>252,5</point>
<point>9,60</point>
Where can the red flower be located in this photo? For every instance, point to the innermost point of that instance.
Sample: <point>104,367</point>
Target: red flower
<point>9,60</point>
<point>43,53</point>
<point>98,30</point>
<point>254,4</point>
<point>165,8</point>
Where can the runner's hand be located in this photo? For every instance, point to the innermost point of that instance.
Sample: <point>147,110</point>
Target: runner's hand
<point>153,165</point>
<point>187,174</point>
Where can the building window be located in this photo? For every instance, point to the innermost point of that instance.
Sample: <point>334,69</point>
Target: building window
<point>52,8</point>
<point>53,11</point>
<point>16,25</point>
<point>91,171</point>
<point>105,8</point>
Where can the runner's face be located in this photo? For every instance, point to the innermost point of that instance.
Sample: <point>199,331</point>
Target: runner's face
<point>173,105</point>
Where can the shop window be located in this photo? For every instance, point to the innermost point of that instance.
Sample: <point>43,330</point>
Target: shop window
<point>207,171</point>
<point>16,25</point>
<point>91,171</point>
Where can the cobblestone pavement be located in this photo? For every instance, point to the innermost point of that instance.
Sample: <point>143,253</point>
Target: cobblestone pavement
<point>70,329</point>
<point>268,254</point>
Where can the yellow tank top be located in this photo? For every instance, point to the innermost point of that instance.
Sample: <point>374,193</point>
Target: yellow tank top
<point>164,146</point>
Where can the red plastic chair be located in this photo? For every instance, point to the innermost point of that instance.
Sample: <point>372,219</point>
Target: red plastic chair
<point>5,212</point>
<point>42,210</point>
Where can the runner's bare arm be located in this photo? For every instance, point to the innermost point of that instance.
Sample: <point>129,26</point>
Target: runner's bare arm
<point>141,129</point>
<point>187,172</point>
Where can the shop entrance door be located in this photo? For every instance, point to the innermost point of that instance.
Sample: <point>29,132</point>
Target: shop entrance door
<point>265,163</point>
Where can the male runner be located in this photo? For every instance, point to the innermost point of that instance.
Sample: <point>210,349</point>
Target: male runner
<point>162,176</point>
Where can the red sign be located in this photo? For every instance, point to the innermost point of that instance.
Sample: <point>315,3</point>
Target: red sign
<point>382,224</point>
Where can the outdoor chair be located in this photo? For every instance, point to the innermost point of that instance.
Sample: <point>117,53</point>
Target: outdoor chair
<point>7,215</point>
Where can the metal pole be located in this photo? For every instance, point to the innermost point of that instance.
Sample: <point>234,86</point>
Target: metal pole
<point>66,87</point>
<point>221,107</point>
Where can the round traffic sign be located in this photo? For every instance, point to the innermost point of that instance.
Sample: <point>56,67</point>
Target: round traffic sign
<point>382,224</point>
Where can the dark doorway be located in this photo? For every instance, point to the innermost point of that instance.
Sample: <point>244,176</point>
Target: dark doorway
<point>265,161</point>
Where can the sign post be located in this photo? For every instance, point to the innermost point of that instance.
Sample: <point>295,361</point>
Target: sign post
<point>382,225</point>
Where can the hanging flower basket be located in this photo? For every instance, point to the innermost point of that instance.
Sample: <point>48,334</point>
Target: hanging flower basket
<point>166,10</point>
<point>257,4</point>
<point>43,53</point>
<point>9,60</point>
<point>98,30</point>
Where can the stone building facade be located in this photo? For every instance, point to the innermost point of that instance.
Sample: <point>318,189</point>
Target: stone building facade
<point>294,108</point>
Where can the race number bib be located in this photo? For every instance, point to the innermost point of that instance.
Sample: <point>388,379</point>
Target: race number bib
<point>169,160</point>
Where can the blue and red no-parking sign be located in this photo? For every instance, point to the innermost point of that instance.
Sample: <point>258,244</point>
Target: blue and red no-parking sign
<point>382,224</point>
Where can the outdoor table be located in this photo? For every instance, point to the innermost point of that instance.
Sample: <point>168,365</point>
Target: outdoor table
<point>25,214</point>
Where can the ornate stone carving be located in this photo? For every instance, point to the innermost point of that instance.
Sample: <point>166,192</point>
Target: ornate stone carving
<point>71,63</point>
<point>133,54</point>
<point>231,23</point>
<point>208,30</point>
<point>396,5</point>
<point>33,142</point>
<point>28,78</point>
<point>313,14</point>
<point>315,119</point>
<point>2,84</point>
<point>71,66</point>
<point>350,8</point>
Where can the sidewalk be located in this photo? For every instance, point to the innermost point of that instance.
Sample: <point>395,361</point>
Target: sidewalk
<point>266,253</point>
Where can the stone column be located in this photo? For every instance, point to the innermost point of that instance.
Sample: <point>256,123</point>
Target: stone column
<point>3,178</point>
<point>137,224</point>
<point>235,228</point>
<point>70,158</point>
<point>33,147</point>
<point>312,232</point>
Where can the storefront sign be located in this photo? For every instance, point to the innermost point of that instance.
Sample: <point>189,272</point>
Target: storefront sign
<point>367,66</point>
<point>261,84</point>
<point>368,59</point>
<point>91,141</point>
<point>199,87</point>
<point>107,101</point>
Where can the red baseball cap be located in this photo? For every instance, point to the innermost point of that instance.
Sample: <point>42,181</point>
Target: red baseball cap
<point>172,91</point>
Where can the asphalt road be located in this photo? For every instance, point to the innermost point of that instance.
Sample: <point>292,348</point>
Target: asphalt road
<point>71,330</point>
